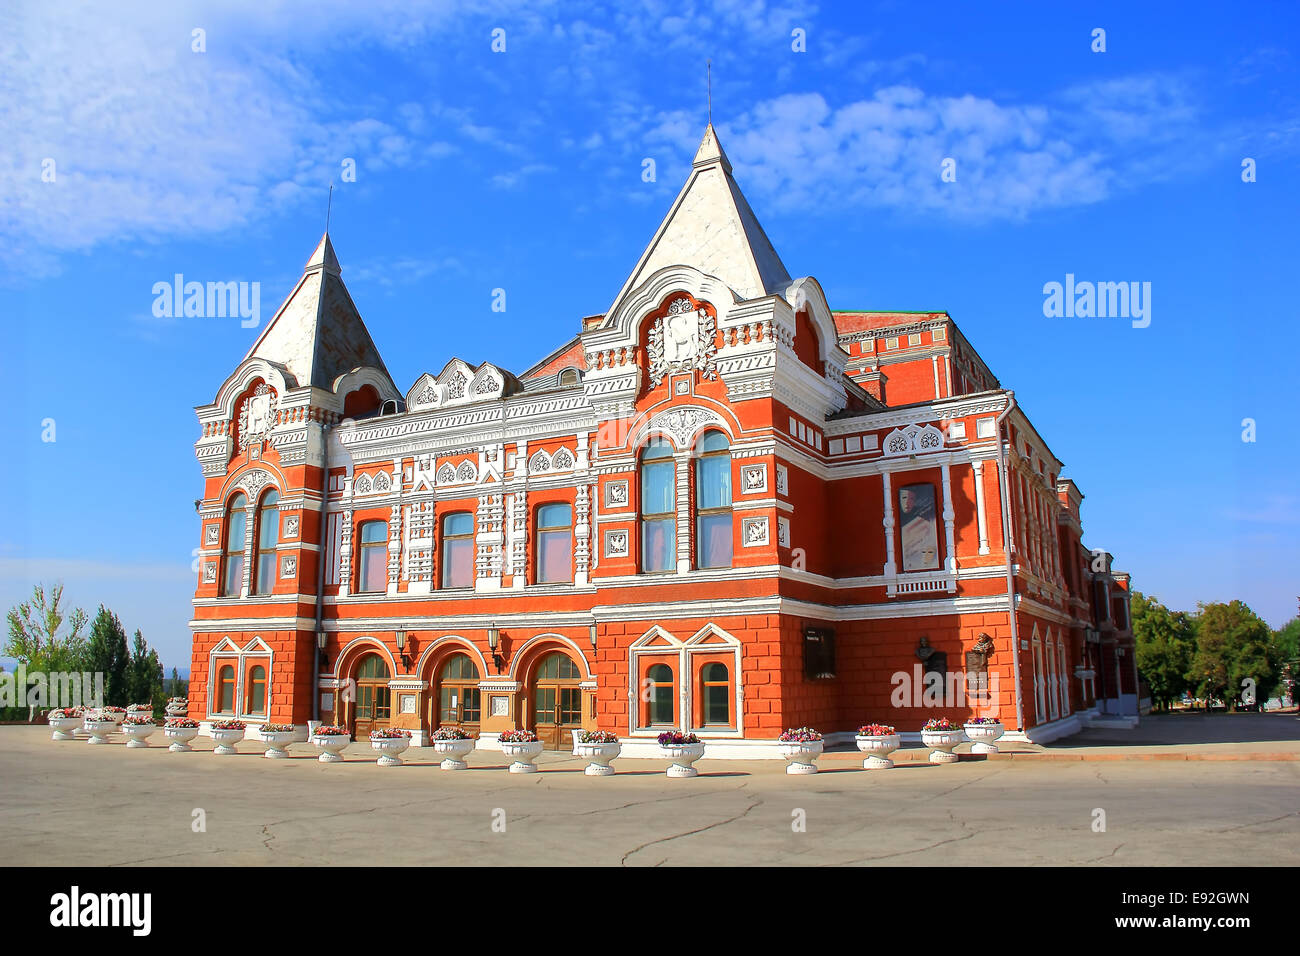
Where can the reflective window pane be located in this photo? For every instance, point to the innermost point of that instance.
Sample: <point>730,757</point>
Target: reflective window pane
<point>458,563</point>
<point>658,545</point>
<point>713,541</point>
<point>554,557</point>
<point>657,488</point>
<point>713,481</point>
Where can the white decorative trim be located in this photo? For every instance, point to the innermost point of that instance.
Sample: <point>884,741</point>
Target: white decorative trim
<point>782,480</point>
<point>754,532</point>
<point>616,493</point>
<point>617,543</point>
<point>753,479</point>
<point>912,440</point>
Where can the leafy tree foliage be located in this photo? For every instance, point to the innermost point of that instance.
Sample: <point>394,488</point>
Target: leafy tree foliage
<point>1166,643</point>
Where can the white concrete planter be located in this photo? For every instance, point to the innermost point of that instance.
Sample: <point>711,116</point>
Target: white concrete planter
<point>275,744</point>
<point>177,710</point>
<point>453,753</point>
<point>117,718</point>
<point>180,738</point>
<point>982,736</point>
<point>600,755</point>
<point>523,755</point>
<point>682,756</point>
<point>800,756</point>
<point>878,750</point>
<point>137,735</point>
<point>330,746</point>
<point>134,711</point>
<point>226,740</point>
<point>390,750</point>
<point>64,727</point>
<point>941,743</point>
<point>99,730</point>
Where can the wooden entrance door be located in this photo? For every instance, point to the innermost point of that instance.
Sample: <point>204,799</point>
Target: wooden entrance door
<point>557,701</point>
<point>459,699</point>
<point>373,707</point>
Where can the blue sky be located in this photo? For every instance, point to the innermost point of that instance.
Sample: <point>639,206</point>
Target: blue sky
<point>522,170</point>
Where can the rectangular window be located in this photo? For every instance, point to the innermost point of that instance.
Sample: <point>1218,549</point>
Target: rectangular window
<point>914,338</point>
<point>659,524</point>
<point>714,542</point>
<point>891,342</point>
<point>555,557</point>
<point>920,531</point>
<point>458,550</point>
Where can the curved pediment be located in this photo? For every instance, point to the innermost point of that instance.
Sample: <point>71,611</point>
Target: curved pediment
<point>460,383</point>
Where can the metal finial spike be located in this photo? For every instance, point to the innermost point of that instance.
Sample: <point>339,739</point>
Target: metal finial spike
<point>329,207</point>
<point>709,66</point>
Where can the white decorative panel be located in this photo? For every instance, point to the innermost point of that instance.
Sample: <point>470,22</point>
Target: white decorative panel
<point>617,543</point>
<point>616,494</point>
<point>753,479</point>
<point>783,532</point>
<point>782,480</point>
<point>754,532</point>
<point>985,428</point>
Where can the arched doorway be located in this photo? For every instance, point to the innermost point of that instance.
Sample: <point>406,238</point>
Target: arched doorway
<point>373,706</point>
<point>458,700</point>
<point>557,700</point>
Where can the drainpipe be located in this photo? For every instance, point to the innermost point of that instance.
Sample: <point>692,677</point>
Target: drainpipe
<point>321,555</point>
<point>1006,547</point>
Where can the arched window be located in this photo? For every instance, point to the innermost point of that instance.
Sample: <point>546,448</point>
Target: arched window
<point>226,690</point>
<point>458,550</point>
<point>558,666</point>
<point>661,694</point>
<point>716,691</point>
<point>256,703</point>
<point>554,544</point>
<point>232,582</point>
<point>713,501</point>
<point>459,700</point>
<point>569,376</point>
<point>374,556</point>
<point>268,536</point>
<point>658,507</point>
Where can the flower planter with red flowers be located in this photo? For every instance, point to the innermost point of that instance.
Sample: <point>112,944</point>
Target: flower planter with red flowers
<point>877,741</point>
<point>65,721</point>
<point>227,733</point>
<point>330,741</point>
<point>801,747</point>
<point>177,706</point>
<point>941,735</point>
<point>455,745</point>
<point>683,750</point>
<point>138,728</point>
<point>522,747</point>
<point>982,731</point>
<point>180,731</point>
<point>276,737</point>
<point>600,747</point>
<point>115,714</point>
<point>99,725</point>
<point>391,744</point>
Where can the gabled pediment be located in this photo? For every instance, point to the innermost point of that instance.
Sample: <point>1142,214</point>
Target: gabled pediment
<point>460,383</point>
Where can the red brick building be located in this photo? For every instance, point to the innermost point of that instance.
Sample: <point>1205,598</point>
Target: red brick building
<point>722,507</point>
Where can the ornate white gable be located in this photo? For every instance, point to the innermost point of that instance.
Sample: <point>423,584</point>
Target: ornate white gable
<point>458,384</point>
<point>912,440</point>
<point>257,415</point>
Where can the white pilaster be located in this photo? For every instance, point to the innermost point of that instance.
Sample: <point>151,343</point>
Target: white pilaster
<point>978,467</point>
<point>889,527</point>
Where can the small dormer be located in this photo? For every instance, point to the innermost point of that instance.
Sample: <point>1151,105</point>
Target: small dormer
<point>460,383</point>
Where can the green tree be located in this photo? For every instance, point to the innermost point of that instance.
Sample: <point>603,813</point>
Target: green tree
<point>1287,639</point>
<point>1233,645</point>
<point>144,674</point>
<point>37,637</point>
<point>107,655</point>
<point>1166,643</point>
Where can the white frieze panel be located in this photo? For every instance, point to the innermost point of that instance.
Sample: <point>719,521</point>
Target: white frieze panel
<point>753,479</point>
<point>617,543</point>
<point>913,440</point>
<point>684,422</point>
<point>616,494</point>
<point>288,566</point>
<point>783,532</point>
<point>754,532</point>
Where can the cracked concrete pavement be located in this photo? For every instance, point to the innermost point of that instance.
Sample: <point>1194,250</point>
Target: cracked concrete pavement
<point>72,804</point>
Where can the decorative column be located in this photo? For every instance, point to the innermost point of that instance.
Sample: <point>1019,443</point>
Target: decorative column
<point>394,547</point>
<point>978,467</point>
<point>250,518</point>
<point>948,516</point>
<point>581,535</point>
<point>345,554</point>
<point>890,567</point>
<point>683,463</point>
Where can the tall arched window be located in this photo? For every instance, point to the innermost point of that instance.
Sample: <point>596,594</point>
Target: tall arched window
<point>713,501</point>
<point>232,582</point>
<point>256,703</point>
<point>658,507</point>
<point>716,690</point>
<point>458,550</point>
<point>661,694</point>
<point>459,699</point>
<point>554,544</point>
<point>374,556</point>
<point>226,690</point>
<point>268,536</point>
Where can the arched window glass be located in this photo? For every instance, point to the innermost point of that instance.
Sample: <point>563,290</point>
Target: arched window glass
<point>554,544</point>
<point>661,694</point>
<point>458,550</point>
<point>232,581</point>
<point>558,666</point>
<point>373,552</point>
<point>459,700</point>
<point>226,690</point>
<point>713,501</point>
<point>658,507</point>
<point>257,690</point>
<point>268,536</point>
<point>716,689</point>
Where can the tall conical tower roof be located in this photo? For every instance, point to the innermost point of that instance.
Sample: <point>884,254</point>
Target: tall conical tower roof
<point>711,227</point>
<point>318,333</point>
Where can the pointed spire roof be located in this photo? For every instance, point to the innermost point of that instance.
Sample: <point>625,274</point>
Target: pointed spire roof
<point>318,333</point>
<point>711,227</point>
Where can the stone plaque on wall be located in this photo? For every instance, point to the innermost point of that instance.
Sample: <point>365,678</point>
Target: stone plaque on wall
<point>500,706</point>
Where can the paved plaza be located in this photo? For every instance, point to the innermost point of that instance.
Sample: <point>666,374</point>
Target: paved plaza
<point>74,804</point>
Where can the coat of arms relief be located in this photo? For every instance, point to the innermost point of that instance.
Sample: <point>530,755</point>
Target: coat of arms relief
<point>257,415</point>
<point>683,340</point>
